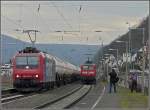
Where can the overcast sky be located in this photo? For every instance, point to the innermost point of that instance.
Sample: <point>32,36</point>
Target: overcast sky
<point>82,18</point>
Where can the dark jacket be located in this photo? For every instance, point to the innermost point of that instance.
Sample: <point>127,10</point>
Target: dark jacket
<point>113,76</point>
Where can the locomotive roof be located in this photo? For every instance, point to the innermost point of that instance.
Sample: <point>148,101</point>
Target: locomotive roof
<point>30,54</point>
<point>89,64</point>
<point>34,51</point>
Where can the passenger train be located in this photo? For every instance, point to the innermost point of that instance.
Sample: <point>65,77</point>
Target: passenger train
<point>36,70</point>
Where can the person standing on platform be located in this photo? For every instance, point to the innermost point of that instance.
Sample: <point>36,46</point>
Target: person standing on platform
<point>113,78</point>
<point>133,82</point>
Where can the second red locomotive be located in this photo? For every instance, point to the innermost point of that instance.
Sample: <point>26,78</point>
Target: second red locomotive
<point>88,73</point>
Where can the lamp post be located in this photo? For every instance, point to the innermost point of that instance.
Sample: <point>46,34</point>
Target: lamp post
<point>143,62</point>
<point>129,48</point>
<point>1,50</point>
<point>106,62</point>
<point>102,65</point>
<point>117,54</point>
<point>126,75</point>
<point>0,65</point>
<point>99,31</point>
<point>108,57</point>
<point>149,69</point>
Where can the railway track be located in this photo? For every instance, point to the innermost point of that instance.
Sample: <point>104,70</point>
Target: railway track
<point>40,99</point>
<point>10,98</point>
<point>12,94</point>
<point>67,100</point>
<point>8,92</point>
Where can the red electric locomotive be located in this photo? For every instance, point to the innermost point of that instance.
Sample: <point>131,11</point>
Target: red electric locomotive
<point>35,70</point>
<point>88,73</point>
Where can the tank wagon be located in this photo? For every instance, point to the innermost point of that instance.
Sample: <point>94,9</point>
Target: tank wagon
<point>36,70</point>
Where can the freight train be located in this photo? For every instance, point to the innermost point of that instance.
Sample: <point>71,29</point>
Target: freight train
<point>36,70</point>
<point>88,73</point>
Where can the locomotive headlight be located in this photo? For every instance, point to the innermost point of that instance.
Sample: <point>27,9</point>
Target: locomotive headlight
<point>17,76</point>
<point>36,76</point>
<point>91,72</point>
<point>84,72</point>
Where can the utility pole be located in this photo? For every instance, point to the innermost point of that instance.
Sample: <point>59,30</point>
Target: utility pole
<point>149,69</point>
<point>0,67</point>
<point>80,9</point>
<point>143,61</point>
<point>130,46</point>
<point>107,72</point>
<point>102,50</point>
<point>106,62</point>
<point>100,39</point>
<point>130,67</point>
<point>1,49</point>
<point>117,52</point>
<point>107,68</point>
<point>102,58</point>
<point>126,76</point>
<point>117,58</point>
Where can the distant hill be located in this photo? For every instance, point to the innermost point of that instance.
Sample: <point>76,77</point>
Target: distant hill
<point>136,41</point>
<point>75,54</point>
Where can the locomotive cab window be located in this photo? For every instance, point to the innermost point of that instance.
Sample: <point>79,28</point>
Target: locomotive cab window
<point>30,61</point>
<point>91,67</point>
<point>85,67</point>
<point>88,67</point>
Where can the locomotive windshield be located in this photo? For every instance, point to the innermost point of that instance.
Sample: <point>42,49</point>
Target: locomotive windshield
<point>26,61</point>
<point>88,67</point>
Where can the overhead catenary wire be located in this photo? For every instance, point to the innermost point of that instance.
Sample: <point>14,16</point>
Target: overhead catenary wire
<point>62,16</point>
<point>16,22</point>
<point>20,14</point>
<point>76,5</point>
<point>38,8</point>
<point>39,18</point>
<point>13,21</point>
<point>45,21</point>
<point>45,4</point>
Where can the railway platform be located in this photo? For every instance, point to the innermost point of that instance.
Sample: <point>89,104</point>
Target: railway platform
<point>123,99</point>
